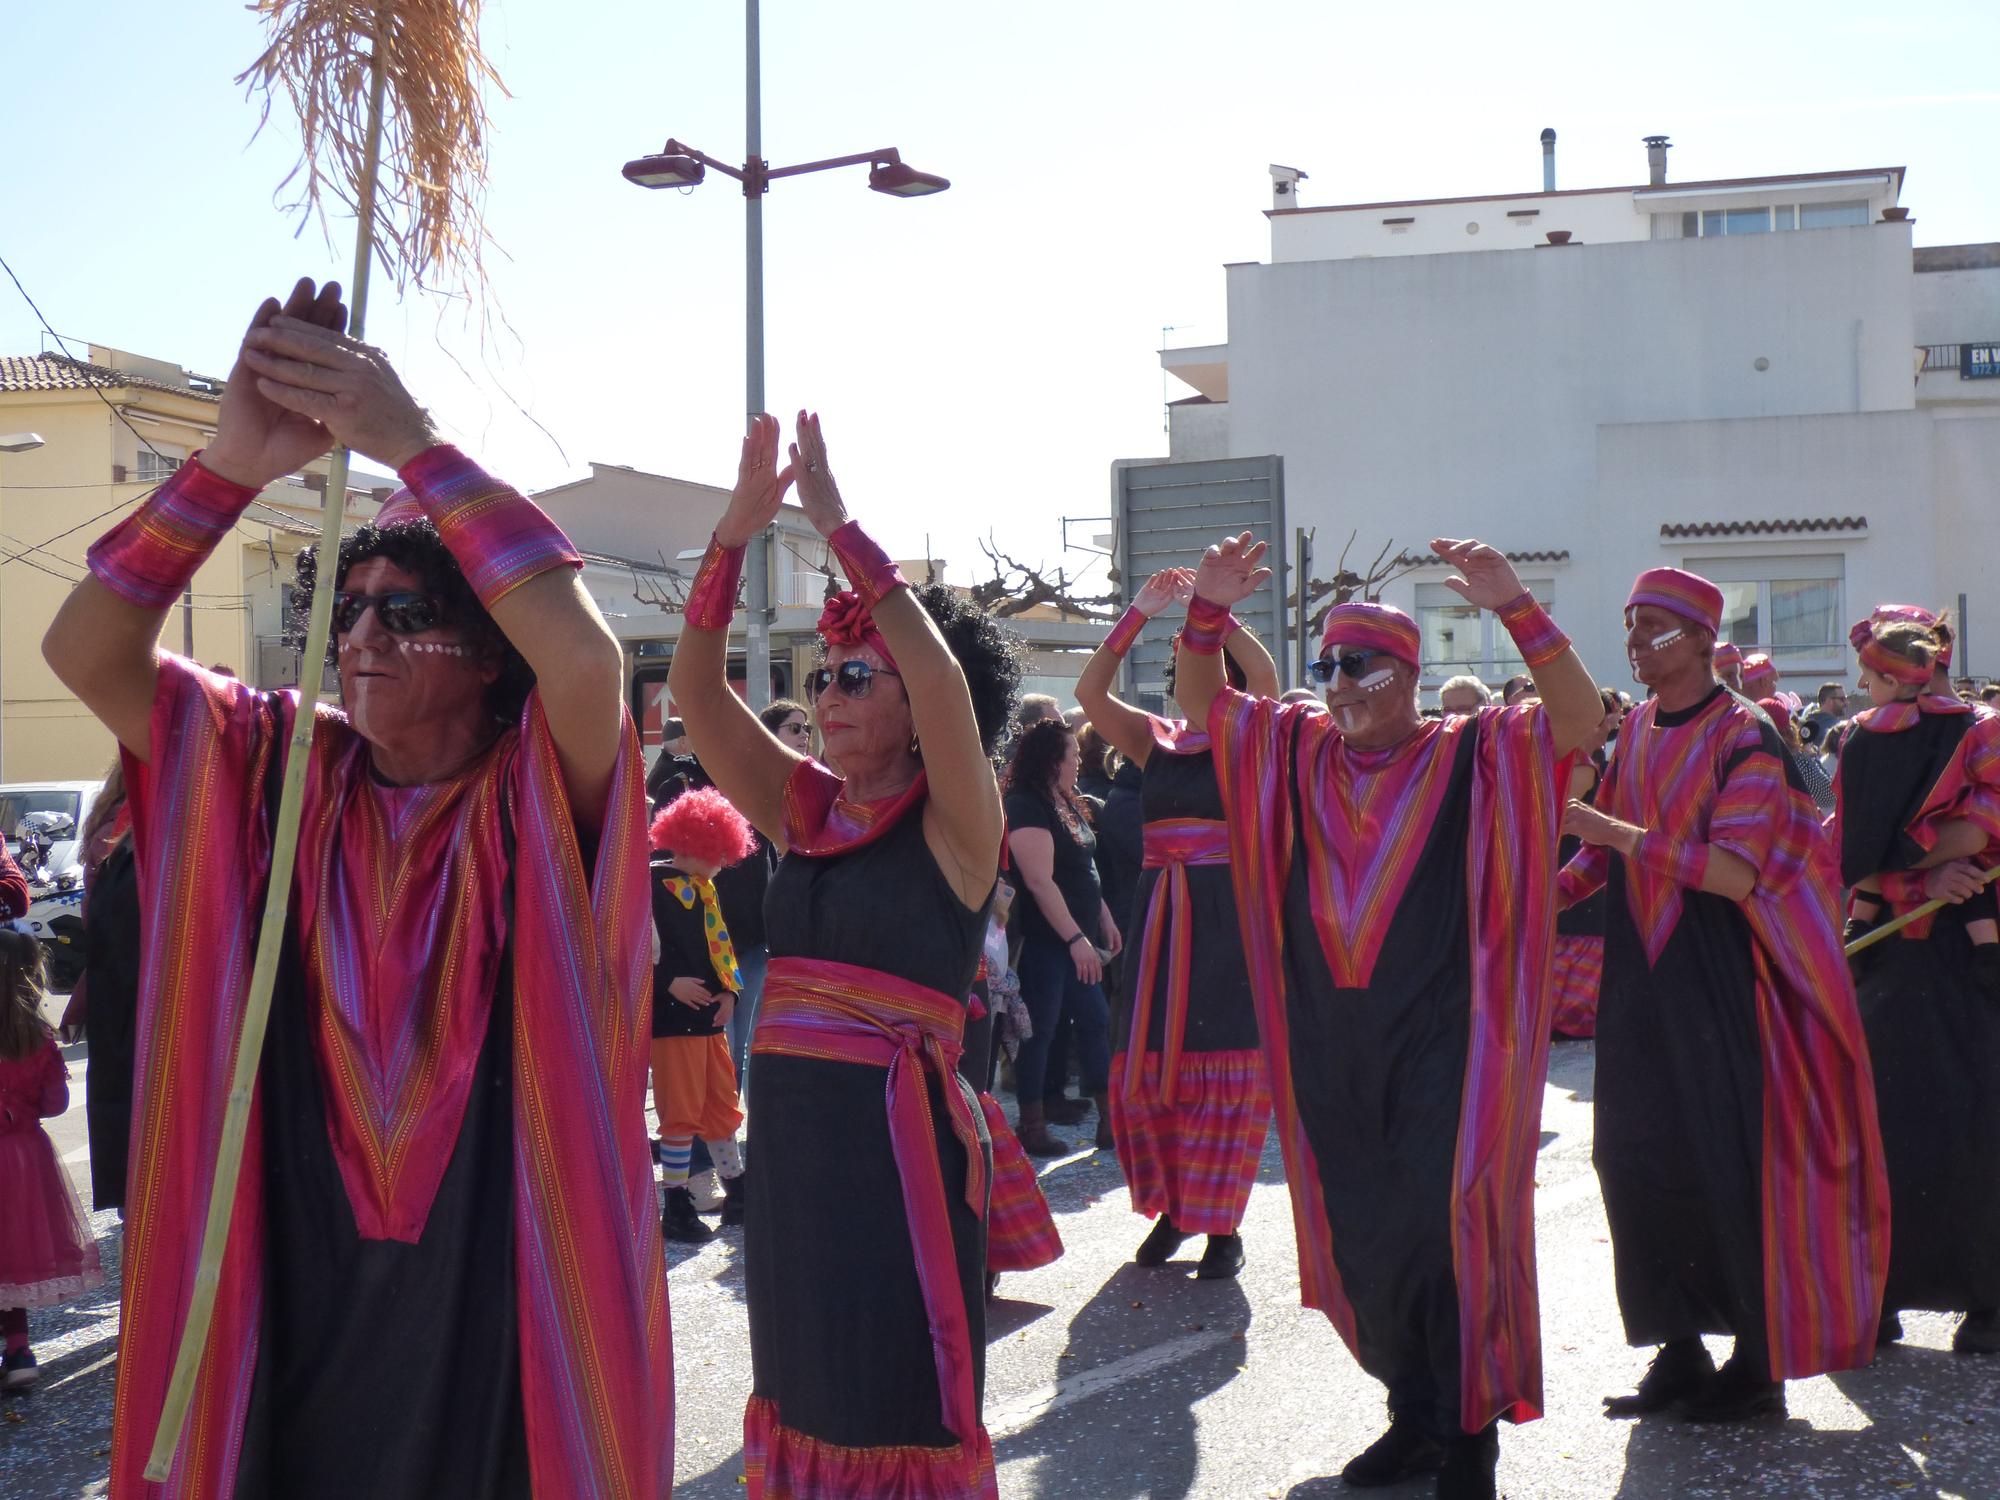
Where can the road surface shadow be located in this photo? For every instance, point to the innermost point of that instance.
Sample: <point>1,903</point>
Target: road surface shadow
<point>1142,1353</point>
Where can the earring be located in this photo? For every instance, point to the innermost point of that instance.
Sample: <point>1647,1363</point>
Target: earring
<point>915,748</point>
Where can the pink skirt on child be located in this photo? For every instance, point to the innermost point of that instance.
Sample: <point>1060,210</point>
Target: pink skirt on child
<point>47,1252</point>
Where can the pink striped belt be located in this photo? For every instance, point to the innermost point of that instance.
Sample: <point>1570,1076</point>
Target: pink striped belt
<point>1172,844</point>
<point>843,1013</point>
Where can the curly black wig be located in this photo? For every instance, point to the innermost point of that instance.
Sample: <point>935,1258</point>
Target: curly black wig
<point>1038,756</point>
<point>416,547</point>
<point>991,656</point>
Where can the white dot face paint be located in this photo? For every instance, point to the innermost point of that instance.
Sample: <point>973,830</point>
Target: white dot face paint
<point>1661,642</point>
<point>1375,681</point>
<point>433,648</point>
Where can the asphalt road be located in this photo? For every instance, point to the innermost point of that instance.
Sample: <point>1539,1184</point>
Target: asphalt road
<point>1114,1383</point>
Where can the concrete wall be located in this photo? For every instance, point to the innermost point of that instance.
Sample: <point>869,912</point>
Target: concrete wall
<point>1450,228</point>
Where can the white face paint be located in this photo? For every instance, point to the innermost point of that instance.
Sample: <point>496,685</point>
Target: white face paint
<point>1375,681</point>
<point>433,648</point>
<point>1661,642</point>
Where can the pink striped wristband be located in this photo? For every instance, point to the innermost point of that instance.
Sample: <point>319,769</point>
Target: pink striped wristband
<point>1208,625</point>
<point>1131,625</point>
<point>151,555</point>
<point>499,536</point>
<point>711,598</point>
<point>1540,640</point>
<point>869,571</point>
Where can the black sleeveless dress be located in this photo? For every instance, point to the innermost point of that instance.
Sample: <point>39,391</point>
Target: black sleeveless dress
<point>839,1341</point>
<point>1221,1015</point>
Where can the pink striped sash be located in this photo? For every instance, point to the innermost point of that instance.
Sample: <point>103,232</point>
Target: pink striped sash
<point>1172,844</point>
<point>843,1013</point>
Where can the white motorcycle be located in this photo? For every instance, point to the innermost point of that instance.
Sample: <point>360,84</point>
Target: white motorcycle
<point>52,862</point>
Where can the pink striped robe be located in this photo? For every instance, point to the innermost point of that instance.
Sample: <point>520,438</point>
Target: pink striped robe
<point>1825,1191</point>
<point>1510,898</point>
<point>596,1372</point>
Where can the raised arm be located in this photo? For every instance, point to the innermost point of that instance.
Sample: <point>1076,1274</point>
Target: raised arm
<point>1260,673</point>
<point>1125,728</point>
<point>963,816</point>
<point>517,560</point>
<point>1569,696</point>
<point>1229,573</point>
<point>103,639</point>
<point>749,764</point>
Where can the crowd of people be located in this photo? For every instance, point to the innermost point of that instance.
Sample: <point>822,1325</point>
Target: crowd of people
<point>1328,911</point>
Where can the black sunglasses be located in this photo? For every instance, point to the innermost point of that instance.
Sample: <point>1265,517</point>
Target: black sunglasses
<point>1353,663</point>
<point>400,614</point>
<point>854,677</point>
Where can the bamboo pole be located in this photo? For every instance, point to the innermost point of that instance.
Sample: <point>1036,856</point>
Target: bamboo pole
<point>1875,935</point>
<point>284,845</point>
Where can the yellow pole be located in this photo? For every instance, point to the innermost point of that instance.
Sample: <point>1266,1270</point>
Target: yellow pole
<point>284,847</point>
<point>1889,929</point>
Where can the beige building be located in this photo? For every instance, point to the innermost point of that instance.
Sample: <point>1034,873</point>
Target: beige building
<point>111,429</point>
<point>643,535</point>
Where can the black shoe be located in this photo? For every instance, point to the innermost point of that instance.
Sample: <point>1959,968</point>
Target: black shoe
<point>1979,1333</point>
<point>18,1370</point>
<point>1469,1467</point>
<point>1737,1394</point>
<point>735,1195</point>
<point>1222,1259</point>
<point>679,1221</point>
<point>1889,1330</point>
<point>1063,1110</point>
<point>1401,1453</point>
<point>1677,1372</point>
<point>1158,1247</point>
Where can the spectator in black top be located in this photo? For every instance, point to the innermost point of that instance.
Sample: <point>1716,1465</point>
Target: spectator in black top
<point>1064,922</point>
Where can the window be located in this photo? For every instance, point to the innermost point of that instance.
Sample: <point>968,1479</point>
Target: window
<point>157,462</point>
<point>1788,606</point>
<point>1727,221</point>
<point>1456,637</point>
<point>1833,215</point>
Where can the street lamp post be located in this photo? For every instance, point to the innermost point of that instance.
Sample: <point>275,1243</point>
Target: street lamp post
<point>13,442</point>
<point>682,166</point>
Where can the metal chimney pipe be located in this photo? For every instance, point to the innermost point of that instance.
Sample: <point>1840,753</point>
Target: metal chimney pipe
<point>1656,159</point>
<point>1548,161</point>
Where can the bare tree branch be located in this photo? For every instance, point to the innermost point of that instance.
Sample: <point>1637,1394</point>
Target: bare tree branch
<point>1015,588</point>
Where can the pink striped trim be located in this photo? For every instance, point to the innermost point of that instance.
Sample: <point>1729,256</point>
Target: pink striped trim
<point>151,555</point>
<point>711,598</point>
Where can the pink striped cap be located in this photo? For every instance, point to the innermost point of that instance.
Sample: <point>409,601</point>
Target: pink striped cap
<point>1688,595</point>
<point>1372,627</point>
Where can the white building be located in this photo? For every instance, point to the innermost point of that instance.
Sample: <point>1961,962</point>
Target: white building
<point>1758,379</point>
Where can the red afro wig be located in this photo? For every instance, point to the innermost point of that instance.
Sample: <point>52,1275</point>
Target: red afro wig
<point>704,827</point>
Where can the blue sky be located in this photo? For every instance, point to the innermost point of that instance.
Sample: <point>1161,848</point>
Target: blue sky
<point>979,357</point>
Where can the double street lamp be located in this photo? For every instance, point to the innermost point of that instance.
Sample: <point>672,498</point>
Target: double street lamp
<point>679,166</point>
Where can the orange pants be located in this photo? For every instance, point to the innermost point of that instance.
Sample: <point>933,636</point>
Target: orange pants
<point>694,1087</point>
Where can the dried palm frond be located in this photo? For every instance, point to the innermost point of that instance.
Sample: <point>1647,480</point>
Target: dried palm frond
<point>430,190</point>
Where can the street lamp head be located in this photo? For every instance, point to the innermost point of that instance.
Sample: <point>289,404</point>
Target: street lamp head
<point>20,442</point>
<point>666,171</point>
<point>901,181</point>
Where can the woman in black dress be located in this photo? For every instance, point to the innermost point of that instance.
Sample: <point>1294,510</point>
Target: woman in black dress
<point>1917,796</point>
<point>864,1242</point>
<point>1191,1099</point>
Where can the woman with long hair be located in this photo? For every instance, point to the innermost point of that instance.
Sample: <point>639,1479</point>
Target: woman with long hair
<point>864,1241</point>
<point>1918,816</point>
<point>1068,931</point>
<point>1191,1099</point>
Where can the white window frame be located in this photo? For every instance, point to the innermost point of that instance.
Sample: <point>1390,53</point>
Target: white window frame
<point>1498,660</point>
<point>1764,569</point>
